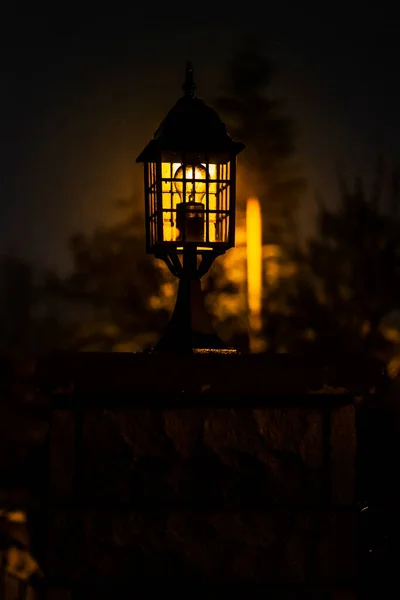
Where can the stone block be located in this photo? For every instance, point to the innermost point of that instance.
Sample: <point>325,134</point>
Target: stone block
<point>61,455</point>
<point>222,456</point>
<point>275,547</point>
<point>343,455</point>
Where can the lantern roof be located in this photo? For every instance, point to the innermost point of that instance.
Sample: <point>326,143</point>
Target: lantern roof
<point>190,126</point>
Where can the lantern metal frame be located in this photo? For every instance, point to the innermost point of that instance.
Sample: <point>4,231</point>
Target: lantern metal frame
<point>187,233</point>
<point>162,201</point>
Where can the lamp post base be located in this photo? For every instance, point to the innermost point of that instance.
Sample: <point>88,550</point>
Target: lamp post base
<point>190,328</point>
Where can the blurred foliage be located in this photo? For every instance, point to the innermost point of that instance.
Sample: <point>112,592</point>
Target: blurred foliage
<point>16,301</point>
<point>30,321</point>
<point>268,168</point>
<point>346,287</point>
<point>115,299</point>
<point>123,295</point>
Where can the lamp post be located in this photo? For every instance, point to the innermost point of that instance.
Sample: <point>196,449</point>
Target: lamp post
<point>189,190</point>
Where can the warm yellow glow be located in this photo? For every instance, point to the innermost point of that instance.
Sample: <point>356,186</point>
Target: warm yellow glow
<point>254,255</point>
<point>272,258</point>
<point>21,564</point>
<point>17,516</point>
<point>212,200</point>
<point>254,271</point>
<point>195,185</point>
<point>172,194</point>
<point>198,248</point>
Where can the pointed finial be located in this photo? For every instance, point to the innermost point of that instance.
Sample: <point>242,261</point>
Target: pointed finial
<point>189,85</point>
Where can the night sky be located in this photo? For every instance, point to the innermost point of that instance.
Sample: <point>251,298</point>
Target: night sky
<point>81,94</point>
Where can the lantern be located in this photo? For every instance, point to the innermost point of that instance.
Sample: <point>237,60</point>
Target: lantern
<point>189,188</point>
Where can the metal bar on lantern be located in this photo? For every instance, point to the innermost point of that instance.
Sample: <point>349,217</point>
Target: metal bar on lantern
<point>223,205</point>
<point>218,204</point>
<point>221,181</point>
<point>207,199</point>
<point>160,212</point>
<point>171,193</point>
<point>232,195</point>
<point>183,233</point>
<point>147,208</point>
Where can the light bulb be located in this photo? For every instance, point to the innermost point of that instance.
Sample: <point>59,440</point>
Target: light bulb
<point>195,190</point>
<point>191,211</point>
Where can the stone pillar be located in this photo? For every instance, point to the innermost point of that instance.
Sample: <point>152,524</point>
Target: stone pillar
<point>209,493</point>
<point>214,487</point>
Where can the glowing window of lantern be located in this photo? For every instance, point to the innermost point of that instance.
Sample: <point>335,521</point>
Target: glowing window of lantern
<point>185,188</point>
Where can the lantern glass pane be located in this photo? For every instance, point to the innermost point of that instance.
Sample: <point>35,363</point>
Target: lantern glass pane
<point>195,202</point>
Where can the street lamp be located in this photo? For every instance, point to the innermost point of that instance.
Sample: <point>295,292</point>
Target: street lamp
<point>189,189</point>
